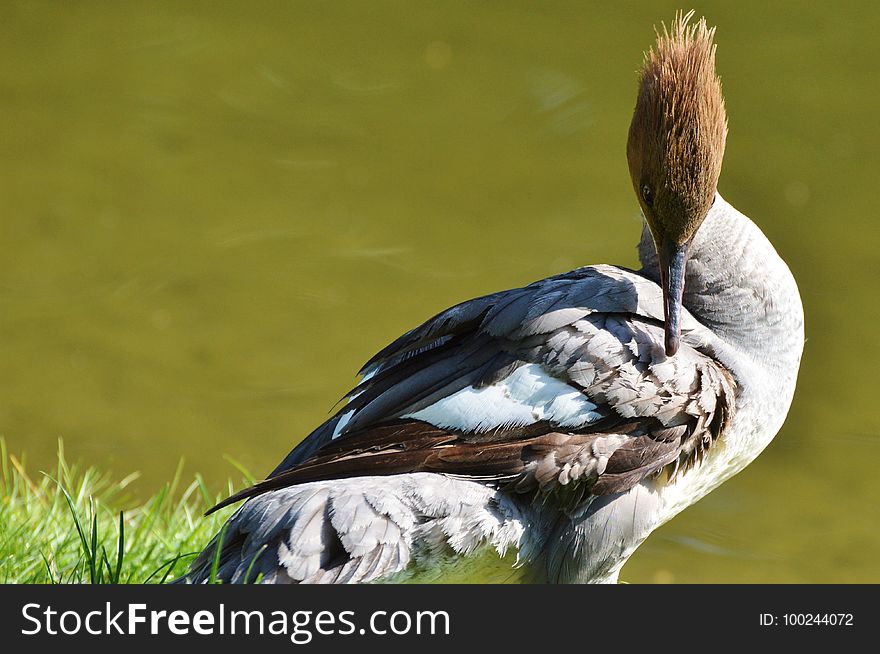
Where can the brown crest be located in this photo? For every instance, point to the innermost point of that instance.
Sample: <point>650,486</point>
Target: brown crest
<point>678,130</point>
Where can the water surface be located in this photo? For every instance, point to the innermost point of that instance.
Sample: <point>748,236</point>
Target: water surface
<point>212,215</point>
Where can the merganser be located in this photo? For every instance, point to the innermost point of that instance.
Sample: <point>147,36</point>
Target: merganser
<point>564,421</point>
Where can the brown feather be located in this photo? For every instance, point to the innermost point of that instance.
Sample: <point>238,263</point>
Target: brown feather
<point>523,463</point>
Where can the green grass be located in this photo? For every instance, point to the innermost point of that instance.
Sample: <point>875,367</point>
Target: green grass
<point>77,525</point>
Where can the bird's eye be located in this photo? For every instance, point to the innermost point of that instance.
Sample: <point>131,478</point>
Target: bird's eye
<point>648,196</point>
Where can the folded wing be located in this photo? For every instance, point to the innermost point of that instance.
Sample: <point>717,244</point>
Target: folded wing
<point>561,387</point>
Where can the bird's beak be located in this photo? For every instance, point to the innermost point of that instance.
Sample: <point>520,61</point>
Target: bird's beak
<point>673,261</point>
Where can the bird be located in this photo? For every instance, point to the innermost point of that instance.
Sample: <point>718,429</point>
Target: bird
<point>552,426</point>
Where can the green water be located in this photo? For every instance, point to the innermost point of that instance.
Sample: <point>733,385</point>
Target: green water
<point>213,214</point>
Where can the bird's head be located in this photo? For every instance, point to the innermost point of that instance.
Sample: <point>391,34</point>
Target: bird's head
<point>675,148</point>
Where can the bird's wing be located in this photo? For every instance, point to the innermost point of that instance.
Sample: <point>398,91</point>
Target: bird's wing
<point>563,384</point>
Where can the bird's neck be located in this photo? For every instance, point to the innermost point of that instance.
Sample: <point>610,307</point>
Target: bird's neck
<point>739,287</point>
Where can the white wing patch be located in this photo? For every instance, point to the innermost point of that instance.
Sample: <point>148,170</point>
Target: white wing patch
<point>345,417</point>
<point>526,396</point>
<point>343,420</point>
